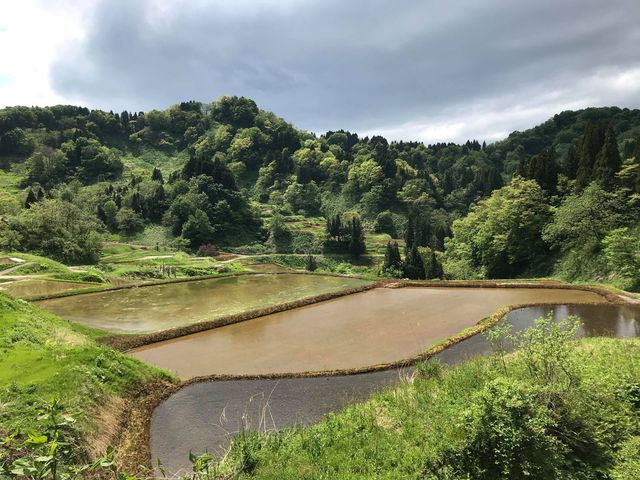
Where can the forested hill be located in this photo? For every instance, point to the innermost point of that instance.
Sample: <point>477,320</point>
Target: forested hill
<point>220,173</point>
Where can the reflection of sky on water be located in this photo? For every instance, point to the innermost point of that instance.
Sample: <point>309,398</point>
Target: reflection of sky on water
<point>621,321</point>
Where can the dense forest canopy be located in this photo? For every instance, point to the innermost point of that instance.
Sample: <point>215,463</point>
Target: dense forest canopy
<point>532,204</point>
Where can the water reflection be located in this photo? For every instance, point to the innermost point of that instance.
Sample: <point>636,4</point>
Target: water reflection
<point>150,309</point>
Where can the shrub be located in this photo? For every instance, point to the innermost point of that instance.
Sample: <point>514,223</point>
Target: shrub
<point>208,250</point>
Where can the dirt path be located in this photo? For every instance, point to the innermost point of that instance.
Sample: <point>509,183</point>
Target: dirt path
<point>11,269</point>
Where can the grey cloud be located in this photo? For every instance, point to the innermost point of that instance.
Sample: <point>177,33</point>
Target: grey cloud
<point>360,65</point>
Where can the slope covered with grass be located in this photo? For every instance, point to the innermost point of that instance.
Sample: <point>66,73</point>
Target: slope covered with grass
<point>557,409</point>
<point>44,357</point>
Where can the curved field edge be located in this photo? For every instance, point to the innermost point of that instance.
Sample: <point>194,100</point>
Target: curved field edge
<point>137,450</point>
<point>112,395</point>
<point>476,420</point>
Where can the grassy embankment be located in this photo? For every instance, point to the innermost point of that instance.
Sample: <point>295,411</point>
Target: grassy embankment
<point>46,268</point>
<point>43,356</point>
<point>122,261</point>
<point>560,410</point>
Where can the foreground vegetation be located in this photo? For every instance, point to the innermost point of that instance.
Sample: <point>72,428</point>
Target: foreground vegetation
<point>42,358</point>
<point>556,409</point>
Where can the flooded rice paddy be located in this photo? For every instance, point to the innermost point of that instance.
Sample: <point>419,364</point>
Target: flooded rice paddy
<point>151,309</point>
<point>205,416</point>
<point>34,287</point>
<point>374,327</point>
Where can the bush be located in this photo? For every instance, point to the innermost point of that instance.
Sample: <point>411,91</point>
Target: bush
<point>508,436</point>
<point>384,224</point>
<point>208,250</point>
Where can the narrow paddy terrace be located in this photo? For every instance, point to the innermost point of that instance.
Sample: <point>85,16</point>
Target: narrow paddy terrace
<point>162,307</point>
<point>379,326</point>
<point>23,288</point>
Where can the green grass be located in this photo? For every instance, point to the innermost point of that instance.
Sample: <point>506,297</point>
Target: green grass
<point>473,421</point>
<point>151,236</point>
<point>43,356</point>
<point>366,265</point>
<point>53,270</point>
<point>38,264</point>
<point>148,158</point>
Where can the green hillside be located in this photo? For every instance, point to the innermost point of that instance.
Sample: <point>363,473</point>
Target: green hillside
<point>243,179</point>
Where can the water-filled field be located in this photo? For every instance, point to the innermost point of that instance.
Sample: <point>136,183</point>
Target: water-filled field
<point>206,415</point>
<point>33,287</point>
<point>150,309</point>
<point>378,326</point>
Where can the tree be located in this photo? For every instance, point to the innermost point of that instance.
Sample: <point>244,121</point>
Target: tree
<point>303,198</point>
<point>570,167</point>
<point>31,198</point>
<point>501,235</point>
<point>542,168</point>
<point>384,224</point>
<point>356,237</point>
<point>110,211</point>
<point>47,167</point>
<point>56,229</point>
<point>592,142</point>
<point>622,251</point>
<point>585,218</point>
<point>392,259</point>
<point>423,237</point>
<point>238,111</point>
<point>156,175</point>
<point>334,227</point>
<point>434,270</point>
<point>311,265</point>
<point>608,161</point>
<point>409,236</point>
<point>413,267</point>
<point>129,221</point>
<point>197,229</point>
<point>279,234</point>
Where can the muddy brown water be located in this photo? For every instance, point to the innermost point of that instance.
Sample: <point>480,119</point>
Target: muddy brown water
<point>205,416</point>
<point>33,287</point>
<point>160,307</point>
<point>382,325</point>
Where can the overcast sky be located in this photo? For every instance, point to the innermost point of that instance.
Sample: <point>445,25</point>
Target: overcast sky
<point>431,70</point>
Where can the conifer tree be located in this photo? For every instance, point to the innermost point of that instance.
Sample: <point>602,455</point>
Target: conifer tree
<point>334,227</point>
<point>413,265</point>
<point>422,233</point>
<point>157,175</point>
<point>31,199</point>
<point>356,237</point>
<point>607,161</point>
<point>542,168</point>
<point>571,162</point>
<point>409,236</point>
<point>592,142</point>
<point>636,151</point>
<point>101,214</point>
<point>435,267</point>
<point>311,265</point>
<point>392,259</point>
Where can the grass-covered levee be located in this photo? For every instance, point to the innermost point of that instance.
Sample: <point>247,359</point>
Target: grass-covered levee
<point>556,408</point>
<point>63,397</point>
